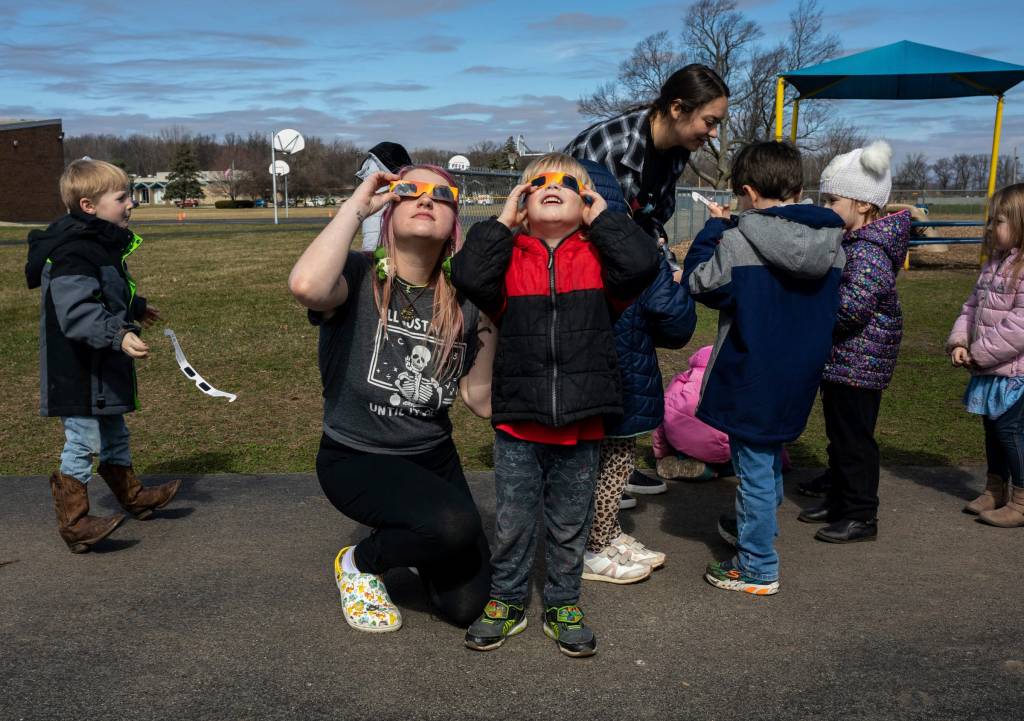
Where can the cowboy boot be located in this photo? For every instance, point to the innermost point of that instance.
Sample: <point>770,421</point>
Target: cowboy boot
<point>1009,516</point>
<point>132,495</point>
<point>991,498</point>
<point>71,501</point>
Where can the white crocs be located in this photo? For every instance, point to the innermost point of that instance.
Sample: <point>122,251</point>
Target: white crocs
<point>639,552</point>
<point>613,565</point>
<point>364,600</point>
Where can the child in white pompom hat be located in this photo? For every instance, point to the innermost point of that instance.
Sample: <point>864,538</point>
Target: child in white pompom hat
<point>866,341</point>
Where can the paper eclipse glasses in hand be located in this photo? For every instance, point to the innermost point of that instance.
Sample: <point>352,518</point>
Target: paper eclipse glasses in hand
<point>191,373</point>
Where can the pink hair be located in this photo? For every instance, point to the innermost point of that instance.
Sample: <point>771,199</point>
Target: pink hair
<point>447,322</point>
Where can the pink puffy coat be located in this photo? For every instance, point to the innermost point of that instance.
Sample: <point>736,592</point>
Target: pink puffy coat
<point>991,322</point>
<point>681,431</point>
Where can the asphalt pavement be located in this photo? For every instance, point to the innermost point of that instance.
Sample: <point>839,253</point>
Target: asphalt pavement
<point>223,606</point>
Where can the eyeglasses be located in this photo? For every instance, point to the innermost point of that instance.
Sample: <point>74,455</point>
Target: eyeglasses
<point>191,373</point>
<point>415,188</point>
<point>565,180</point>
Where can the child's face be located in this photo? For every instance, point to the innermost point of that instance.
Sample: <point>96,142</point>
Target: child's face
<point>554,205</point>
<point>855,213</point>
<point>1003,237</point>
<point>114,206</point>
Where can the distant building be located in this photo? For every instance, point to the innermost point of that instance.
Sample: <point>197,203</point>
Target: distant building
<point>151,189</point>
<point>31,163</point>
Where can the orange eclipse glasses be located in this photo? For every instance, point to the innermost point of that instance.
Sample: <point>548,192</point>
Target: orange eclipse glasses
<point>416,188</point>
<point>562,179</point>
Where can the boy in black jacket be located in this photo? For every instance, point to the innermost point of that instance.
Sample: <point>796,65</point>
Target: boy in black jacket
<point>88,340</point>
<point>550,288</point>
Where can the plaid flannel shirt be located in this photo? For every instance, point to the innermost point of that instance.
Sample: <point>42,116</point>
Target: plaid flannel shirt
<point>620,143</point>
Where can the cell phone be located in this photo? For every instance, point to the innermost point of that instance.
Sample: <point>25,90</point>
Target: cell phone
<point>700,198</point>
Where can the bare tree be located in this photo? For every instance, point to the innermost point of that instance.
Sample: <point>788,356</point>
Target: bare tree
<point>838,138</point>
<point>719,35</point>
<point>913,172</point>
<point>963,171</point>
<point>943,171</point>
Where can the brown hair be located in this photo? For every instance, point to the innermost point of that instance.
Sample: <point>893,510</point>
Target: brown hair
<point>446,322</point>
<point>1009,203</point>
<point>772,168</point>
<point>693,86</point>
<point>88,178</point>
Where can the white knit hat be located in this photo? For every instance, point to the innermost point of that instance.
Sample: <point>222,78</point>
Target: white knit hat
<point>862,174</point>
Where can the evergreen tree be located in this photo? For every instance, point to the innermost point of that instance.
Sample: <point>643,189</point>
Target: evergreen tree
<point>183,180</point>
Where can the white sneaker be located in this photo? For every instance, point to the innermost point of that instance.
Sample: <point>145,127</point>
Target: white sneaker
<point>639,552</point>
<point>612,565</point>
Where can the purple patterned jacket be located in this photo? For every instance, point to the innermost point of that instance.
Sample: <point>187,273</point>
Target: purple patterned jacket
<point>869,326</point>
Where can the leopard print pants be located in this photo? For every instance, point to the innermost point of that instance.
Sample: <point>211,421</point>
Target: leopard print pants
<point>618,458</point>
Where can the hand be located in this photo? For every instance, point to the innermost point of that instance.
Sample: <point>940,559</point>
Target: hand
<point>134,346</point>
<point>960,357</point>
<point>677,276</point>
<point>151,316</point>
<point>512,216</point>
<point>366,200</point>
<point>596,207</point>
<point>719,211</point>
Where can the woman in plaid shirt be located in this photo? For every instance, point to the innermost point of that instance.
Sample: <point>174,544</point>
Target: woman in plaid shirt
<point>647,147</point>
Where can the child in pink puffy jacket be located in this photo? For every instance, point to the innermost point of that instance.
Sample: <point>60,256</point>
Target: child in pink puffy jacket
<point>988,340</point>
<point>684,446</point>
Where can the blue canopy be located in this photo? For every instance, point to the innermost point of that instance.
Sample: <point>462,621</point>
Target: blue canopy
<point>905,71</point>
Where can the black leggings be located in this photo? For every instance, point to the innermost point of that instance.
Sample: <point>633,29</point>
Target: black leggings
<point>422,514</point>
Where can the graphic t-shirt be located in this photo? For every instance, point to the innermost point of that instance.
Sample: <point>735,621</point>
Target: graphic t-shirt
<point>381,393</point>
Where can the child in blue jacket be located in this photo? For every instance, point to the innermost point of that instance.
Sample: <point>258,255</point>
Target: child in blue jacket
<point>773,274</point>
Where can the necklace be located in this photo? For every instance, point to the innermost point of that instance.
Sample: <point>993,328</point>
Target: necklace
<point>409,311</point>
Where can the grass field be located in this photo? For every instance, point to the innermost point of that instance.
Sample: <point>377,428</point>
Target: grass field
<point>222,288</point>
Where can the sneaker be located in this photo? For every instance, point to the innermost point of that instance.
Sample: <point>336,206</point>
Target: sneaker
<point>816,487</point>
<point>364,600</point>
<point>683,467</point>
<point>626,501</point>
<point>728,529</point>
<point>565,626</point>
<point>498,621</point>
<point>614,565</point>
<point>723,574</point>
<point>640,552</point>
<point>645,485</point>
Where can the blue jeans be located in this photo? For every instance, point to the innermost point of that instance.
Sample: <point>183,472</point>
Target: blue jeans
<point>528,476</point>
<point>1004,443</point>
<point>757,500</point>
<point>88,436</point>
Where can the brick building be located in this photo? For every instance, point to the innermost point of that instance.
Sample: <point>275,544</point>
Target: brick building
<point>31,163</point>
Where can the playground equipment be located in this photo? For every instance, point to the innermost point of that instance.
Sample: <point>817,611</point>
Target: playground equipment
<point>902,71</point>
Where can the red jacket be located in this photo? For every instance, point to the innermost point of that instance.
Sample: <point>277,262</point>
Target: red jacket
<point>556,361</point>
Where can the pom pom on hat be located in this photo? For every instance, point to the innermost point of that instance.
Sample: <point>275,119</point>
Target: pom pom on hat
<point>863,174</point>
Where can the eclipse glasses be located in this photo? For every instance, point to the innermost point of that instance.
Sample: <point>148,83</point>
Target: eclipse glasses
<point>565,180</point>
<point>416,188</point>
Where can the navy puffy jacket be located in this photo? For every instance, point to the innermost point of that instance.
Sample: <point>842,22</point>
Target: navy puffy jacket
<point>663,316</point>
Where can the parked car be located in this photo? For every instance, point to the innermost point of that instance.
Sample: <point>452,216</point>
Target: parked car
<point>187,203</point>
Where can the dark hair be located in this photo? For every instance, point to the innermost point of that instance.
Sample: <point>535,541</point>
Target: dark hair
<point>771,168</point>
<point>693,86</point>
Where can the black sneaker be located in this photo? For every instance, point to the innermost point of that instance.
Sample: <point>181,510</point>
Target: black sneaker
<point>728,529</point>
<point>644,484</point>
<point>816,487</point>
<point>626,501</point>
<point>565,626</point>
<point>498,621</point>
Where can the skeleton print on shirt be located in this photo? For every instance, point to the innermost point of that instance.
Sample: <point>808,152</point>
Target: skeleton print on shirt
<point>404,362</point>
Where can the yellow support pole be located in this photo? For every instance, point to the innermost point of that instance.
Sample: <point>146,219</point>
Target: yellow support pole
<point>793,124</point>
<point>994,166</point>
<point>780,100</point>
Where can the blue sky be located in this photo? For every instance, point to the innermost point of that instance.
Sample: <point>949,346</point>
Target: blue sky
<point>443,73</point>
